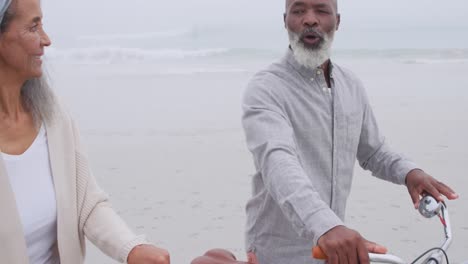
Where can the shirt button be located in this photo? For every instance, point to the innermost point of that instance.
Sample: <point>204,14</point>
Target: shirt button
<point>319,72</point>
<point>312,79</point>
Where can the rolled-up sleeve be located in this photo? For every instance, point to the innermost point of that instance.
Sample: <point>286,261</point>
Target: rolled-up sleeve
<point>270,138</point>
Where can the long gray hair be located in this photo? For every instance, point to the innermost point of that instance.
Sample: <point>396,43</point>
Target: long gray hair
<point>36,94</point>
<point>39,99</point>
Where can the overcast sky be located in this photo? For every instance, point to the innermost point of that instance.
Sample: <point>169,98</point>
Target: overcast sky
<point>96,17</point>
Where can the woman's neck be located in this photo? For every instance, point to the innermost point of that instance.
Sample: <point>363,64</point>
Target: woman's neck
<point>11,103</point>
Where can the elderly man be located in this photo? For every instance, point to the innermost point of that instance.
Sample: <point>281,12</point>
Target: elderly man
<point>306,121</point>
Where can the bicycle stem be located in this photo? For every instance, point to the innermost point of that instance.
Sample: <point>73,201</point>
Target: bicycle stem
<point>436,258</point>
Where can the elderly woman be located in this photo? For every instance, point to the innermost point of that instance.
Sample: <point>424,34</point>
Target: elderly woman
<point>49,201</point>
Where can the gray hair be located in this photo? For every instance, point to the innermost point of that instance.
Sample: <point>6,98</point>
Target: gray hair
<point>39,99</point>
<point>36,94</point>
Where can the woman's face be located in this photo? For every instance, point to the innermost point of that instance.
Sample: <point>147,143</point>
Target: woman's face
<point>22,44</point>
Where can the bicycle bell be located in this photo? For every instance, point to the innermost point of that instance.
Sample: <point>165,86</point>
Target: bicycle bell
<point>429,206</point>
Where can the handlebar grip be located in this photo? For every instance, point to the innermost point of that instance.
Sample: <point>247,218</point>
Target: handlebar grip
<point>317,253</point>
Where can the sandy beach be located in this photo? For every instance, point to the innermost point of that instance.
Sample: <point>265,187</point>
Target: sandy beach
<point>165,141</point>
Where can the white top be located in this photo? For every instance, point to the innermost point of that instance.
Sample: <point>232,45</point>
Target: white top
<point>31,181</point>
<point>81,204</point>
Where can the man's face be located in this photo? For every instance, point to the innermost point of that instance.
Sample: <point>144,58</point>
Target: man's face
<point>311,20</point>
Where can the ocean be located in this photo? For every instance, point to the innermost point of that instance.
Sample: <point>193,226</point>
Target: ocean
<point>160,115</point>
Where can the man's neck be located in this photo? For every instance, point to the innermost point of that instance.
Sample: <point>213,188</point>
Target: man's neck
<point>326,71</point>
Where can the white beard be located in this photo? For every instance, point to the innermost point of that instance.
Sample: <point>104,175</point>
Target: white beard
<point>308,57</point>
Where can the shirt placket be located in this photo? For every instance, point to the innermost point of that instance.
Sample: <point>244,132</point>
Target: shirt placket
<point>327,93</point>
<point>335,140</point>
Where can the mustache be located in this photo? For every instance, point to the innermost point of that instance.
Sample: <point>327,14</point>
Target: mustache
<point>311,32</point>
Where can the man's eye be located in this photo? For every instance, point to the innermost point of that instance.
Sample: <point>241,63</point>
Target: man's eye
<point>298,11</point>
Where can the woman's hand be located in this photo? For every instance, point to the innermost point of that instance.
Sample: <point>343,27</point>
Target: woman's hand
<point>218,256</point>
<point>148,254</point>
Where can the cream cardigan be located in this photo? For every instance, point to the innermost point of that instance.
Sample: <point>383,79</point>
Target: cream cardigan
<point>83,209</point>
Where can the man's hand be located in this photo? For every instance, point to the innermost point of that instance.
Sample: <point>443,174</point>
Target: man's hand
<point>418,183</point>
<point>148,254</point>
<point>346,246</point>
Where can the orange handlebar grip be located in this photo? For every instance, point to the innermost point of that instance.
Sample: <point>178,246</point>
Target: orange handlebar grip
<point>317,253</point>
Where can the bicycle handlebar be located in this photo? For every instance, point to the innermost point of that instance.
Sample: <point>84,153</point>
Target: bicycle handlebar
<point>427,209</point>
<point>317,253</point>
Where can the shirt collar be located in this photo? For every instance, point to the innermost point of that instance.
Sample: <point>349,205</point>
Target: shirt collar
<point>304,71</point>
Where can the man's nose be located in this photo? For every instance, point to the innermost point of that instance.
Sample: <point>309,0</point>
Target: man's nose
<point>310,19</point>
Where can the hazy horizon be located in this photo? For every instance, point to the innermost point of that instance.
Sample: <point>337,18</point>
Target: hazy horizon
<point>366,24</point>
